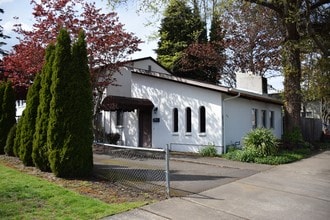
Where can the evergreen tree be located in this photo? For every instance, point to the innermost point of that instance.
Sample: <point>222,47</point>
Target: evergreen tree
<point>17,139</point>
<point>80,113</point>
<point>29,122</point>
<point>70,123</point>
<point>177,32</point>
<point>217,33</point>
<point>61,92</point>
<point>8,113</point>
<point>3,36</point>
<point>2,91</point>
<point>40,147</point>
<point>199,25</point>
<point>9,148</point>
<point>203,60</point>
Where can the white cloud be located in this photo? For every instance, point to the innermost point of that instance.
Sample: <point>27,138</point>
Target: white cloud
<point>9,26</point>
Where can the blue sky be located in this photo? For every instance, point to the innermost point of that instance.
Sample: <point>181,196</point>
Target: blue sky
<point>127,15</point>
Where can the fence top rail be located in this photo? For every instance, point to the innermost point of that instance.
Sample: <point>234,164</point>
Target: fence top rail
<point>131,148</point>
<point>201,145</point>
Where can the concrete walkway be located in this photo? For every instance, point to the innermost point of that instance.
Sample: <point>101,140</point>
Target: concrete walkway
<point>299,190</point>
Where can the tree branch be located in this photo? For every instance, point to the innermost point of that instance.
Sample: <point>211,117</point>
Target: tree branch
<point>269,4</point>
<point>318,4</point>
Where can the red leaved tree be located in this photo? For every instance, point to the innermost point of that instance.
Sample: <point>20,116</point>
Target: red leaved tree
<point>108,43</point>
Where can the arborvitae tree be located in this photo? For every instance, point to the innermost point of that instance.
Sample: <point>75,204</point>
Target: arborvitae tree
<point>29,122</point>
<point>17,140</point>
<point>79,139</point>
<point>61,92</point>
<point>70,123</point>
<point>8,114</point>
<point>9,148</point>
<point>177,32</point>
<point>40,147</point>
<point>2,91</point>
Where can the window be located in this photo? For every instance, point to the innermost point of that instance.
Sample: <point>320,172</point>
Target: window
<point>188,120</point>
<point>254,118</point>
<point>264,118</point>
<point>120,118</point>
<point>309,115</point>
<point>175,120</point>
<point>202,122</point>
<point>271,119</point>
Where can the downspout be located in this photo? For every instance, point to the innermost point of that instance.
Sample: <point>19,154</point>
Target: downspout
<point>224,120</point>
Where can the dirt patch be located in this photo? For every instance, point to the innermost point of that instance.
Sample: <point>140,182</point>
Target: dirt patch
<point>96,187</point>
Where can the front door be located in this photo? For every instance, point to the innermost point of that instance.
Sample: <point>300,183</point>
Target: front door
<point>144,128</point>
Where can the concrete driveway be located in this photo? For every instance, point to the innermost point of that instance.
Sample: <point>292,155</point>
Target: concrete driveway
<point>188,174</point>
<point>299,190</point>
<point>191,175</point>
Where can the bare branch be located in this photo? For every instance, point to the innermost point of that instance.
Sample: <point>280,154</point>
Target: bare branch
<point>269,4</point>
<point>319,3</point>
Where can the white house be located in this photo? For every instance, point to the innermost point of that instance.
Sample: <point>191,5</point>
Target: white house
<point>153,108</point>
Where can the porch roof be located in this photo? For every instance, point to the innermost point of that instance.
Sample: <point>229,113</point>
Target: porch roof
<point>126,104</point>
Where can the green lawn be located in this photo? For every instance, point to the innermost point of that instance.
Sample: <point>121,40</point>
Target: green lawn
<point>27,197</point>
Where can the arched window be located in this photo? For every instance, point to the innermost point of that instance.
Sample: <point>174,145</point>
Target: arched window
<point>202,116</point>
<point>175,120</point>
<point>188,120</point>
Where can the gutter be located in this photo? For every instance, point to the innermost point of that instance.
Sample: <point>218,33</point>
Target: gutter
<point>224,119</point>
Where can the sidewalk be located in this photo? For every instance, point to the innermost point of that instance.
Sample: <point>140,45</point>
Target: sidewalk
<point>299,190</point>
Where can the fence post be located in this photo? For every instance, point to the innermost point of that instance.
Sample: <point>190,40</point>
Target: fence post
<point>167,170</point>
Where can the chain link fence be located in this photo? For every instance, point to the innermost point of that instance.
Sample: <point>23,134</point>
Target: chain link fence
<point>143,168</point>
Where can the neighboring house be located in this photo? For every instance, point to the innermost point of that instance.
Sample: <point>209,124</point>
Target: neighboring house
<point>153,108</point>
<point>315,120</point>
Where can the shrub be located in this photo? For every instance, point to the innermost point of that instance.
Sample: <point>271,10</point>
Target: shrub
<point>260,142</point>
<point>40,147</point>
<point>113,138</point>
<point>209,151</point>
<point>231,148</point>
<point>9,148</point>
<point>17,140</point>
<point>293,139</point>
<point>70,134</point>
<point>8,112</point>
<point>28,122</point>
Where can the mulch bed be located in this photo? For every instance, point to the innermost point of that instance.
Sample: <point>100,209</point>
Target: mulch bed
<point>93,186</point>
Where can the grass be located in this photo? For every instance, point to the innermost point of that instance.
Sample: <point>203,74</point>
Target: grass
<point>27,197</point>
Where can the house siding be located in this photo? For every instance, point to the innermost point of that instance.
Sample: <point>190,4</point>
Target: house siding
<point>238,119</point>
<point>166,96</point>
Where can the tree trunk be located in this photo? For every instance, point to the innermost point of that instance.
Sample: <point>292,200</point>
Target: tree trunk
<point>292,75</point>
